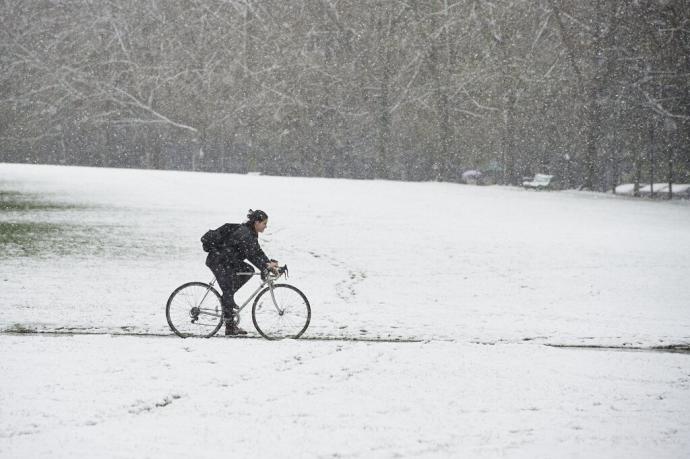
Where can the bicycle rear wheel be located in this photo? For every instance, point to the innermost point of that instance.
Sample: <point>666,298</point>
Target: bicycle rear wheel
<point>194,310</point>
<point>281,312</point>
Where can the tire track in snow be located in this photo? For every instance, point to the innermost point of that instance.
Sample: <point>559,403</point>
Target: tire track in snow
<point>67,332</point>
<point>683,348</point>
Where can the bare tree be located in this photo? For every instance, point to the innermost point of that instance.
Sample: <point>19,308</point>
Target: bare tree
<point>391,89</point>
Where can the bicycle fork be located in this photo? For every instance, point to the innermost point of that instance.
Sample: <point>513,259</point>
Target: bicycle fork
<point>275,303</point>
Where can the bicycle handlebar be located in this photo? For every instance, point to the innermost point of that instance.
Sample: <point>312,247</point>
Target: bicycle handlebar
<point>280,270</point>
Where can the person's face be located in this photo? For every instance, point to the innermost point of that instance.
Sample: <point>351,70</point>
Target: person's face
<point>261,225</point>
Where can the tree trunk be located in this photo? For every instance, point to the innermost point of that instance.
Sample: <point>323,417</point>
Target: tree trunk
<point>592,139</point>
<point>384,118</point>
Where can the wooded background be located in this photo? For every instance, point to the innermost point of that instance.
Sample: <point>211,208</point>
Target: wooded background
<point>595,92</point>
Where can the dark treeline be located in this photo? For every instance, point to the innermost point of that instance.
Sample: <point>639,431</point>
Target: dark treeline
<point>596,92</point>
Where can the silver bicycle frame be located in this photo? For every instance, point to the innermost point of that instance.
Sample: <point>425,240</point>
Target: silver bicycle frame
<point>270,278</point>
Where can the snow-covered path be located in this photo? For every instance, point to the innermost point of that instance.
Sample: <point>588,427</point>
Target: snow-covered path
<point>101,396</point>
<point>483,276</point>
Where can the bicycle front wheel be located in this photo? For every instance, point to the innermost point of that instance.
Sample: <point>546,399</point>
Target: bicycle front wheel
<point>281,312</point>
<point>194,310</point>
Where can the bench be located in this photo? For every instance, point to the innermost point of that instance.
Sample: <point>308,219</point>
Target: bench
<point>539,182</point>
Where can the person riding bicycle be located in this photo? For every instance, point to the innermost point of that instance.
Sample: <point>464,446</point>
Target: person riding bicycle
<point>228,260</point>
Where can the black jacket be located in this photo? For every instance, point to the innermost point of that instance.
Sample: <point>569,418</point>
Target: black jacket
<point>237,246</point>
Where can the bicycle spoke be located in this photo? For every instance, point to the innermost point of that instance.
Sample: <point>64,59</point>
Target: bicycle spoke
<point>185,313</point>
<point>283,313</point>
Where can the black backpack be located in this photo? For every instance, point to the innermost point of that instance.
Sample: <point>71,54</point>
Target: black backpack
<point>216,239</point>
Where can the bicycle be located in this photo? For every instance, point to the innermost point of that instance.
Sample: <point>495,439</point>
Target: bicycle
<point>279,310</point>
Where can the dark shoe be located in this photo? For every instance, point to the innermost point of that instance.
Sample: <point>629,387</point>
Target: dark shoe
<point>231,329</point>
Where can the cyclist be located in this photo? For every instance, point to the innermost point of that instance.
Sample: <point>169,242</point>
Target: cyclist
<point>242,244</point>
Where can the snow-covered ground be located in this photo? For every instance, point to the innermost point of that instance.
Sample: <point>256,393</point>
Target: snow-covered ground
<point>479,283</point>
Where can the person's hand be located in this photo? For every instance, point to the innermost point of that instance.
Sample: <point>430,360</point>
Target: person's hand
<point>273,266</point>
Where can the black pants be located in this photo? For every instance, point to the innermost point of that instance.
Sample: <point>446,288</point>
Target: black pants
<point>228,280</point>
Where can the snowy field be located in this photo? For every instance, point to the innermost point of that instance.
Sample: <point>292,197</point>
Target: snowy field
<point>448,320</point>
